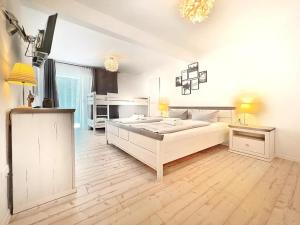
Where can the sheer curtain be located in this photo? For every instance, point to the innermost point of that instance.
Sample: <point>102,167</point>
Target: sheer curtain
<point>74,84</point>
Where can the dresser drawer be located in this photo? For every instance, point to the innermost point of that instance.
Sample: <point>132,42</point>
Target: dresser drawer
<point>248,145</point>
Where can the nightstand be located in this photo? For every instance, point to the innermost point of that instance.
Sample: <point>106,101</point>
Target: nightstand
<point>254,141</point>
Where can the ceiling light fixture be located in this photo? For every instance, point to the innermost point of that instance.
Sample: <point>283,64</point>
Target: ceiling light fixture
<point>111,64</point>
<point>195,10</point>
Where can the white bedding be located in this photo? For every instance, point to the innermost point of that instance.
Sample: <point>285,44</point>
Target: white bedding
<point>137,120</point>
<point>199,132</point>
<point>171,126</point>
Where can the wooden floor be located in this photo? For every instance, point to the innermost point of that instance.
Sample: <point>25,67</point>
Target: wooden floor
<point>210,187</point>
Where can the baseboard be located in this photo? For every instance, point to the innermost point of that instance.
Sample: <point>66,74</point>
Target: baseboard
<point>43,201</point>
<point>287,157</point>
<point>6,218</point>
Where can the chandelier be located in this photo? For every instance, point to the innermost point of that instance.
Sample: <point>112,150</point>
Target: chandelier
<point>111,64</point>
<point>195,10</point>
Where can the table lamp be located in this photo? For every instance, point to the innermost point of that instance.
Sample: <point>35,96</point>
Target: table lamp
<point>22,74</point>
<point>164,107</point>
<point>245,107</point>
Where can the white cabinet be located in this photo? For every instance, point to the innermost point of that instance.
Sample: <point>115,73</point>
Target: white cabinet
<point>42,156</point>
<point>258,142</point>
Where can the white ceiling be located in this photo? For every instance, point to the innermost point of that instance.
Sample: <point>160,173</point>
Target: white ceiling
<point>77,44</point>
<point>149,33</point>
<point>158,17</point>
<point>162,19</point>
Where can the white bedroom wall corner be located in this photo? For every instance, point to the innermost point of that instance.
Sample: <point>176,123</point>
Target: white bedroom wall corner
<point>10,97</point>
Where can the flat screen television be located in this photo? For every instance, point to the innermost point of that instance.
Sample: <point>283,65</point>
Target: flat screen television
<point>45,45</point>
<point>44,41</point>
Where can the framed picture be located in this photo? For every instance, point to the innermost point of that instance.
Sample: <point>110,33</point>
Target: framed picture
<point>178,81</point>
<point>195,84</point>
<point>193,65</point>
<point>186,87</point>
<point>203,76</point>
<point>193,70</point>
<point>184,75</point>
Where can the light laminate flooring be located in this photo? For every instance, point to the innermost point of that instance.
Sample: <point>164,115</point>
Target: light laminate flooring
<point>209,188</point>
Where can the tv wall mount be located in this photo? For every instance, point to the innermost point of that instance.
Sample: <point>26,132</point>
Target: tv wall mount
<point>37,54</point>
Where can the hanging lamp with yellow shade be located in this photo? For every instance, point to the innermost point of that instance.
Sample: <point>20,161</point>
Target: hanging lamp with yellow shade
<point>22,74</point>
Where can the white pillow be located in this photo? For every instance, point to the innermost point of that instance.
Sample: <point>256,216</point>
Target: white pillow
<point>178,113</point>
<point>211,116</point>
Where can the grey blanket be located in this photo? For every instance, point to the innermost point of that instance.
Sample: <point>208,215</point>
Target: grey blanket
<point>138,120</point>
<point>165,127</point>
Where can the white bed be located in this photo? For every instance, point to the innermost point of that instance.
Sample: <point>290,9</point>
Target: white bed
<point>156,149</point>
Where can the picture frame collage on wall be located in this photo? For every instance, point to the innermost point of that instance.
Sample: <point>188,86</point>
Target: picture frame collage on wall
<point>190,79</point>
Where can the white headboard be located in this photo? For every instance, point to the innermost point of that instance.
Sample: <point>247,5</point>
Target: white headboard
<point>225,113</point>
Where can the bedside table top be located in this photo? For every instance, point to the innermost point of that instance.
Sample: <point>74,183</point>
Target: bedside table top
<point>252,127</point>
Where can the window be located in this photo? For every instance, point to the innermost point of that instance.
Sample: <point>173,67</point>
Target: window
<point>73,86</point>
<point>69,96</point>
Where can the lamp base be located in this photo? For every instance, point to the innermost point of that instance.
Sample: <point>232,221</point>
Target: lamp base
<point>245,124</point>
<point>164,114</point>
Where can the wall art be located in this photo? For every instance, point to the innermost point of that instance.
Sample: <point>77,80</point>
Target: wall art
<point>191,78</point>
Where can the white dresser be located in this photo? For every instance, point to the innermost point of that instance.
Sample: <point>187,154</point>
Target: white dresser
<point>255,141</point>
<point>42,156</point>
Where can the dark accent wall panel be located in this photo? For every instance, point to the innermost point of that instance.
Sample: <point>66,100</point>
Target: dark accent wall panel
<point>105,81</point>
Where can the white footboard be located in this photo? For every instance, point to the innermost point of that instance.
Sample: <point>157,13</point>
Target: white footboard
<point>145,149</point>
<point>155,152</point>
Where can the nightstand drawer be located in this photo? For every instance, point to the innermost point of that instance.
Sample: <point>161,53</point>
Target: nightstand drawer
<point>248,145</point>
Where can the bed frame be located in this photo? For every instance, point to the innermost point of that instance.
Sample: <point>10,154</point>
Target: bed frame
<point>105,101</point>
<point>151,149</point>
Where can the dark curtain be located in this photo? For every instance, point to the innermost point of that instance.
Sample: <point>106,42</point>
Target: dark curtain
<point>93,89</point>
<point>50,87</point>
<point>104,82</point>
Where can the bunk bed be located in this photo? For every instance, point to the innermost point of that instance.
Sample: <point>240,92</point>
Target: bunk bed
<point>105,101</point>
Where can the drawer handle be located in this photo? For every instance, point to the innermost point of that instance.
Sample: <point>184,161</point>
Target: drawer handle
<point>247,145</point>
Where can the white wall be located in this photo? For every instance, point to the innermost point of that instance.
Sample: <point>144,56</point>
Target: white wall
<point>138,86</point>
<point>10,97</point>
<point>262,58</point>
<point>132,85</point>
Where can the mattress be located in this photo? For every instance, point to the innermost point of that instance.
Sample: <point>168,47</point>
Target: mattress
<point>100,120</point>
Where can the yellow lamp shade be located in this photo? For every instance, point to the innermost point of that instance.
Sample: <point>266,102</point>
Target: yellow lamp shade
<point>22,74</point>
<point>249,105</point>
<point>163,105</point>
<point>245,107</point>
